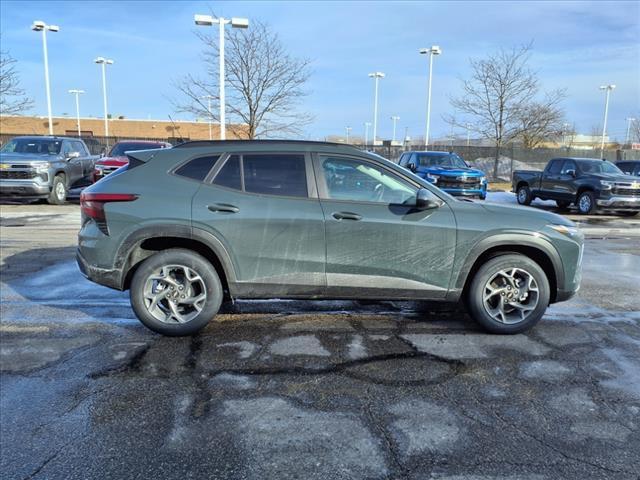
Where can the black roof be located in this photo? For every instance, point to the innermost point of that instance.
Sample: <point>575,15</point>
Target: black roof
<point>578,158</point>
<point>222,143</point>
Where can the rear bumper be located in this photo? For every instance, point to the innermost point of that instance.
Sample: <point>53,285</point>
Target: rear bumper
<point>111,278</point>
<point>619,202</point>
<point>23,188</point>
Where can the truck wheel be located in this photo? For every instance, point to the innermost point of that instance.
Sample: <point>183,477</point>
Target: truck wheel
<point>586,203</point>
<point>176,292</point>
<point>58,193</point>
<point>509,294</point>
<point>563,204</point>
<point>524,195</point>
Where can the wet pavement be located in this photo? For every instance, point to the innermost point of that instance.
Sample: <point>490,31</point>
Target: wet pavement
<point>313,390</point>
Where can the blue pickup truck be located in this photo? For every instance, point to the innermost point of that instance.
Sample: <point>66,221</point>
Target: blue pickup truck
<point>447,171</point>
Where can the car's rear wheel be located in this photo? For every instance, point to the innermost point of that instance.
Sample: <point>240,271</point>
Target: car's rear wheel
<point>524,195</point>
<point>176,292</point>
<point>509,294</point>
<point>58,193</point>
<point>563,204</point>
<point>586,203</point>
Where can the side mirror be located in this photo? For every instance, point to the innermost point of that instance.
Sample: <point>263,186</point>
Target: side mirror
<point>412,167</point>
<point>571,173</point>
<point>425,200</point>
<point>71,155</point>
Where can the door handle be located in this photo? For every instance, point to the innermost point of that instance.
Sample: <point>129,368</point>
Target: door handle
<point>223,207</point>
<point>346,216</point>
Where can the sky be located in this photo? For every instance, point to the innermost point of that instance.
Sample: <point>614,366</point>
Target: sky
<point>576,45</point>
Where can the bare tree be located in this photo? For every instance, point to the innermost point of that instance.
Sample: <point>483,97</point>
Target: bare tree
<point>12,98</point>
<point>264,83</point>
<point>500,91</point>
<point>542,121</point>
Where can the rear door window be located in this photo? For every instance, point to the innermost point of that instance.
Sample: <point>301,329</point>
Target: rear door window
<point>281,174</point>
<point>229,175</point>
<point>198,168</point>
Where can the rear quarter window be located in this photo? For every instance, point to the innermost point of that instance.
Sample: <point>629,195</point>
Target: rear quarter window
<point>198,168</point>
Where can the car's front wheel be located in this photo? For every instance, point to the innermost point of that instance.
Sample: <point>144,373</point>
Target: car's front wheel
<point>58,193</point>
<point>508,294</point>
<point>586,203</point>
<point>176,292</point>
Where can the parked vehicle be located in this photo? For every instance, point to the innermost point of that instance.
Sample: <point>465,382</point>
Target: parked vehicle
<point>116,157</point>
<point>447,171</point>
<point>629,167</point>
<point>589,184</point>
<point>186,228</point>
<point>44,167</point>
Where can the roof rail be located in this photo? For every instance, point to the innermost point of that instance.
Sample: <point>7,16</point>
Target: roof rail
<point>205,143</point>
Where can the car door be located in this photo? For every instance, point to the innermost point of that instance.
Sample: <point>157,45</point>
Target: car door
<point>566,183</point>
<point>378,244</point>
<point>87,161</point>
<point>264,208</point>
<point>550,179</point>
<point>74,164</point>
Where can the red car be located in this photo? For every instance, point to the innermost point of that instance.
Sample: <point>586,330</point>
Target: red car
<point>117,158</point>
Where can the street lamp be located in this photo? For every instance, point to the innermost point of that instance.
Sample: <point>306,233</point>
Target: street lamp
<point>40,26</point>
<point>348,129</point>
<point>208,98</point>
<point>434,50</point>
<point>608,88</point>
<point>366,133</point>
<point>394,119</point>
<point>376,76</point>
<point>104,62</point>
<point>629,120</point>
<point>77,93</point>
<point>468,125</point>
<point>209,21</point>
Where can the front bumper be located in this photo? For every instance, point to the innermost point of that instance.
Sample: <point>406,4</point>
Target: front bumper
<point>463,192</point>
<point>620,202</point>
<point>23,188</point>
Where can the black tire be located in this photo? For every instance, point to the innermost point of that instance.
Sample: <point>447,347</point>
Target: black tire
<point>198,264</point>
<point>626,213</point>
<point>476,292</point>
<point>58,193</point>
<point>524,195</point>
<point>586,203</point>
<point>563,204</point>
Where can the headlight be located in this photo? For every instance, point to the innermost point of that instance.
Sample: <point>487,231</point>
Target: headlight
<point>432,177</point>
<point>565,230</point>
<point>483,179</point>
<point>606,185</point>
<point>41,167</point>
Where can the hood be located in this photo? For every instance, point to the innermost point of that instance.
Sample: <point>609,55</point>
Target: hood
<point>113,161</point>
<point>532,214</point>
<point>614,177</point>
<point>25,157</point>
<point>452,171</point>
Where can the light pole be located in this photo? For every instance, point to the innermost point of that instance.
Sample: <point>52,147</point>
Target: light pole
<point>608,88</point>
<point>394,119</point>
<point>104,62</point>
<point>209,97</point>
<point>468,125</point>
<point>40,26</point>
<point>376,76</point>
<point>348,129</point>
<point>434,50</point>
<point>565,130</point>
<point>629,120</point>
<point>366,133</point>
<point>77,93</point>
<point>209,21</point>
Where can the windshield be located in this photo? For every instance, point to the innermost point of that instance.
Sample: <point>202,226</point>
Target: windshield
<point>447,160</point>
<point>33,145</point>
<point>119,148</point>
<point>599,166</point>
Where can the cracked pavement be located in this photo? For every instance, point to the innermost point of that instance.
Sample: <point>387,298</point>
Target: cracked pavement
<point>313,390</point>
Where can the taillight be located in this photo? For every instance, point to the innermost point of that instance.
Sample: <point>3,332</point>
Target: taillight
<point>92,206</point>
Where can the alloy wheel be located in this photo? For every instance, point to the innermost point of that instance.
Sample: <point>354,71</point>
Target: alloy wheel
<point>60,191</point>
<point>585,203</point>
<point>510,295</point>
<point>174,294</point>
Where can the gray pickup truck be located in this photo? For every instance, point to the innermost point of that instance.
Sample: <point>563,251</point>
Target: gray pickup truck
<point>44,167</point>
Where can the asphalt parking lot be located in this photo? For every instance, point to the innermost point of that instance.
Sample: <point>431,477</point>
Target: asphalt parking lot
<point>313,390</point>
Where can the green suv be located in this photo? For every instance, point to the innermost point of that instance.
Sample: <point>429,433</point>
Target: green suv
<point>187,228</point>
